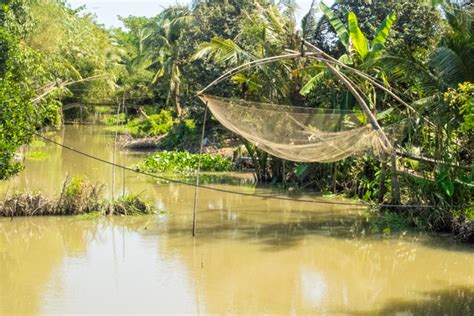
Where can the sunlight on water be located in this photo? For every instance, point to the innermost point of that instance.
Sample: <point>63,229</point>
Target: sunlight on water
<point>251,255</point>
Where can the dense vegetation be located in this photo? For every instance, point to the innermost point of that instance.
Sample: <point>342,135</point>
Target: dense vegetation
<point>183,162</point>
<point>52,56</point>
<point>78,196</point>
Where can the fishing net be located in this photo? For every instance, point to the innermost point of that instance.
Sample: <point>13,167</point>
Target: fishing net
<point>296,133</point>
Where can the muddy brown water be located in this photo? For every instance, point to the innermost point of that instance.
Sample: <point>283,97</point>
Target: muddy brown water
<point>251,255</point>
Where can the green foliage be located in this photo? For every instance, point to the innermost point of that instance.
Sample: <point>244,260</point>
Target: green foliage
<point>462,100</point>
<point>383,30</point>
<point>183,162</point>
<point>153,125</point>
<point>41,54</point>
<point>115,119</point>
<point>15,124</point>
<point>183,135</point>
<point>103,109</point>
<point>130,205</point>
<point>337,24</point>
<point>78,197</point>
<point>358,39</point>
<point>388,222</point>
<point>418,27</point>
<point>425,55</point>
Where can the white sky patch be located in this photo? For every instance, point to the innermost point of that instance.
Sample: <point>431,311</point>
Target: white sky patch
<point>107,11</point>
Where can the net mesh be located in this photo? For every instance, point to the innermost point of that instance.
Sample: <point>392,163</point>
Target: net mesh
<point>295,133</point>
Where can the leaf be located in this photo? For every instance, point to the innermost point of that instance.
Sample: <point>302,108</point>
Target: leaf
<point>300,170</point>
<point>242,79</point>
<point>160,73</point>
<point>221,50</point>
<point>382,32</point>
<point>384,114</point>
<point>448,186</point>
<point>311,83</point>
<point>346,59</point>
<point>464,180</point>
<point>337,24</point>
<point>357,37</point>
<point>448,66</point>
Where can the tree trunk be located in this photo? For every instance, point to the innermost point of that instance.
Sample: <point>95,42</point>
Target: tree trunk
<point>334,178</point>
<point>277,169</point>
<point>177,100</point>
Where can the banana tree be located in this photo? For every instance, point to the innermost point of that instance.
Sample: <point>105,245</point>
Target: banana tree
<point>358,49</point>
<point>360,52</point>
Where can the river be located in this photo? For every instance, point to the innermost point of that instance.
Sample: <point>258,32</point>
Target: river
<point>251,255</point>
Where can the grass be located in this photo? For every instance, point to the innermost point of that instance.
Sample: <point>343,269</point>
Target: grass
<point>78,197</point>
<point>183,162</point>
<point>130,205</point>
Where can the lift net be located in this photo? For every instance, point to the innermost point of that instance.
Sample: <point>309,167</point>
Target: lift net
<point>296,133</point>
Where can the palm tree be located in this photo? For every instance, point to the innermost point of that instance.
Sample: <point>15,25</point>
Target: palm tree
<point>163,48</point>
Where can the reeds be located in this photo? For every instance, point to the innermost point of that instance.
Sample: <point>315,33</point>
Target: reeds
<point>78,196</point>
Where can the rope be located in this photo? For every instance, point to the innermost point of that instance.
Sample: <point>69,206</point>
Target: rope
<point>263,196</point>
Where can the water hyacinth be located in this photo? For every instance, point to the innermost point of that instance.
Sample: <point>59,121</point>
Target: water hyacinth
<point>183,162</point>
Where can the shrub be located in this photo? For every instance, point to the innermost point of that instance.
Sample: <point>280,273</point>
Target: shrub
<point>79,196</point>
<point>130,205</point>
<point>185,134</point>
<point>116,119</point>
<point>153,125</point>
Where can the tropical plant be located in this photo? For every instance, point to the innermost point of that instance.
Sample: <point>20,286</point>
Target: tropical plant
<point>163,47</point>
<point>183,162</point>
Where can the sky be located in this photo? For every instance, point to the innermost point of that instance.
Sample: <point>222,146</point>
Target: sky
<point>108,10</point>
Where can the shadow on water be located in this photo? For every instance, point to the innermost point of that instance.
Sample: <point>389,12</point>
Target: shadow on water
<point>457,301</point>
<point>278,229</point>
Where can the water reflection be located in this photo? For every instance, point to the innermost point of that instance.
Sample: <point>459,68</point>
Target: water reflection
<point>252,255</point>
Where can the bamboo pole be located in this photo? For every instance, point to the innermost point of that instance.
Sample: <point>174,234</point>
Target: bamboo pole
<point>375,125</point>
<point>199,171</point>
<point>123,170</point>
<point>362,104</point>
<point>113,153</point>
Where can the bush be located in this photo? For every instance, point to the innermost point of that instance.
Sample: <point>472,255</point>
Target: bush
<point>185,134</point>
<point>116,119</point>
<point>153,125</point>
<point>79,196</point>
<point>183,162</point>
<point>130,205</point>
